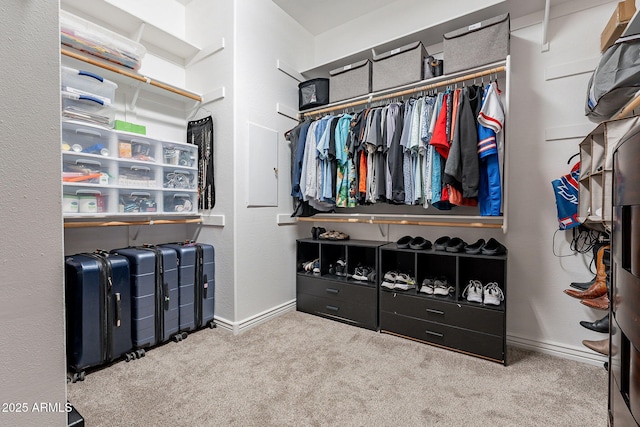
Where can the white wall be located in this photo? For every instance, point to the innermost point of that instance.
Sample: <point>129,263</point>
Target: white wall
<point>210,22</point>
<point>265,251</point>
<point>32,354</point>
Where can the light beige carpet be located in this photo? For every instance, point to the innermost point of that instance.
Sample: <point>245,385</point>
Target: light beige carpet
<point>302,370</point>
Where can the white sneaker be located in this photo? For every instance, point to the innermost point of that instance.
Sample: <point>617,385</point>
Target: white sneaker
<point>473,291</point>
<point>404,282</point>
<point>493,294</point>
<point>427,286</point>
<point>441,287</point>
<point>389,280</point>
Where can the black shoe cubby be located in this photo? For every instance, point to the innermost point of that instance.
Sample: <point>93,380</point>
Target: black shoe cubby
<point>340,298</point>
<point>448,321</point>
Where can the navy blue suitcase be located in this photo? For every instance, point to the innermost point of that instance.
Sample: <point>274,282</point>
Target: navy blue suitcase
<point>154,294</point>
<point>98,310</point>
<point>196,277</point>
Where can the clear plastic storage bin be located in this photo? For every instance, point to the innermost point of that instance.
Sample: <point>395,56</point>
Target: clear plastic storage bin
<point>86,139</point>
<point>133,202</point>
<point>137,176</point>
<point>179,179</point>
<point>180,202</point>
<point>87,83</point>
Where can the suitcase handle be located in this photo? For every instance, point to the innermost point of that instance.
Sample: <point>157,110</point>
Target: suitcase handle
<point>118,310</point>
<point>166,297</point>
<point>88,74</point>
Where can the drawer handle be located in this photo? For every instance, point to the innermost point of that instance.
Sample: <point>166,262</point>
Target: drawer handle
<point>333,291</point>
<point>436,334</point>
<point>332,308</point>
<point>430,310</point>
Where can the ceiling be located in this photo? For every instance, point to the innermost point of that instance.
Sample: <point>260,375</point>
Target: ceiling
<point>318,16</point>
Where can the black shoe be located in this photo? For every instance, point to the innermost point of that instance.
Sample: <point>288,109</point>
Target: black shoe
<point>475,248</point>
<point>455,245</point>
<point>403,242</point>
<point>601,325</point>
<point>583,286</point>
<point>493,247</point>
<point>419,243</point>
<point>441,243</point>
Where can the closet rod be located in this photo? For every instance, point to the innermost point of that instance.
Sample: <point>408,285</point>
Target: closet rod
<point>411,91</point>
<point>402,222</point>
<point>84,224</point>
<point>131,75</point>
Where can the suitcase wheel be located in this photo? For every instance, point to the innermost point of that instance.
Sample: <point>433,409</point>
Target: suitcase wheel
<point>128,357</point>
<point>140,353</point>
<point>81,376</point>
<point>212,324</point>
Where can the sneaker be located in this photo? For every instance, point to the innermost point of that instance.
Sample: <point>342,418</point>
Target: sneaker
<point>308,266</point>
<point>389,280</point>
<point>473,291</point>
<point>316,268</point>
<point>493,294</point>
<point>341,268</point>
<point>427,286</point>
<point>404,282</point>
<point>442,287</point>
<point>362,273</point>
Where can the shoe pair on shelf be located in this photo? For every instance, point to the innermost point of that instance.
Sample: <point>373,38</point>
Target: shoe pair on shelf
<point>456,244</point>
<point>449,244</point>
<point>333,235</point>
<point>398,281</point>
<point>436,286</point>
<point>413,242</point>
<point>339,268</point>
<point>367,274</point>
<point>317,231</point>
<point>312,266</point>
<point>489,294</point>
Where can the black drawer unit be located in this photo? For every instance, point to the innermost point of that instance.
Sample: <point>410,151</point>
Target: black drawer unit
<point>453,320</point>
<point>329,289</point>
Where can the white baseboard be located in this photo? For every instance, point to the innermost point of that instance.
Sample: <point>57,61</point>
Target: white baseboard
<point>563,351</point>
<point>250,322</point>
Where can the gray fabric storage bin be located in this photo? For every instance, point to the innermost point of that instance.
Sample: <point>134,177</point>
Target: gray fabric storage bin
<point>350,81</point>
<point>398,67</point>
<point>478,44</point>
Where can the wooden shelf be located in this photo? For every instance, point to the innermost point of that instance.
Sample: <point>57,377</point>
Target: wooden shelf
<point>420,220</point>
<point>116,73</point>
<point>111,222</point>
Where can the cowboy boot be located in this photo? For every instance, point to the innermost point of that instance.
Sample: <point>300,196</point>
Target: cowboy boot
<point>599,287</point>
<point>601,303</point>
<point>583,286</point>
<point>601,346</point>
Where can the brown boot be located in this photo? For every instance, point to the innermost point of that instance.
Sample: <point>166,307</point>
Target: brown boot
<point>601,303</point>
<point>599,287</point>
<point>601,346</point>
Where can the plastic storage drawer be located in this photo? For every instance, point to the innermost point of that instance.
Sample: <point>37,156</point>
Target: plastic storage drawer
<point>86,170</point>
<point>79,200</point>
<point>137,176</point>
<point>137,147</point>
<point>87,83</point>
<point>87,108</point>
<point>86,138</point>
<point>179,154</point>
<point>133,202</point>
<point>180,202</point>
<point>179,179</point>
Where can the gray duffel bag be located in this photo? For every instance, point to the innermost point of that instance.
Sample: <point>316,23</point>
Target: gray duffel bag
<point>615,80</point>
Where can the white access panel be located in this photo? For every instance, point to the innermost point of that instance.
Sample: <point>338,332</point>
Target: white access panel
<point>262,174</point>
